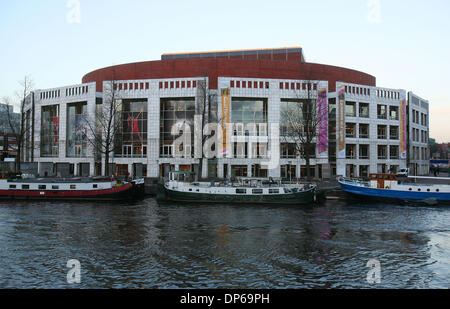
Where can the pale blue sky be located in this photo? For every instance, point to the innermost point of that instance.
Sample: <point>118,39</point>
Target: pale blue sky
<point>405,46</point>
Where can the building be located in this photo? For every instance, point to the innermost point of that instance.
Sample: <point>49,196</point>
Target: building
<point>160,102</point>
<point>418,135</point>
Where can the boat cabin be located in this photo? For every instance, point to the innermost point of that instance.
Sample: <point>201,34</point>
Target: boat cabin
<point>181,176</point>
<point>382,181</point>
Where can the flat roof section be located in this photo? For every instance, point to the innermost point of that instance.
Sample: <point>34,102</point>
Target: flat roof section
<point>264,53</point>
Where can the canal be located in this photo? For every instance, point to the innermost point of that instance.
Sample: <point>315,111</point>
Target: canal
<point>146,245</point>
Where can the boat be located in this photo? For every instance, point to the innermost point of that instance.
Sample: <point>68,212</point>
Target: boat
<point>387,186</point>
<point>95,189</point>
<point>180,187</point>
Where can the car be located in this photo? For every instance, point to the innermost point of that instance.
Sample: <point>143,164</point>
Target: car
<point>404,172</point>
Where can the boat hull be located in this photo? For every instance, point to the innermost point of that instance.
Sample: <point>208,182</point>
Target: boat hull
<point>125,192</point>
<point>296,198</point>
<point>389,194</point>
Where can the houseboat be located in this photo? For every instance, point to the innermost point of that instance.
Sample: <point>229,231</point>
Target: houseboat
<point>96,189</point>
<point>382,186</point>
<point>180,187</point>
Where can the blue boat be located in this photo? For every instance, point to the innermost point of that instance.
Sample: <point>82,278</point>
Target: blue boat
<point>382,186</point>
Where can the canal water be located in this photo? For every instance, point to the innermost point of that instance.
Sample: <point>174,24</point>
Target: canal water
<point>146,245</point>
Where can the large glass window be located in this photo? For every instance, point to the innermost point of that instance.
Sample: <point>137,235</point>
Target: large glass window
<point>77,130</point>
<point>176,113</point>
<point>132,140</point>
<point>364,110</point>
<point>248,110</point>
<point>50,131</point>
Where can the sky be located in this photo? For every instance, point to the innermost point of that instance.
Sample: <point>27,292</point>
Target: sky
<point>404,44</point>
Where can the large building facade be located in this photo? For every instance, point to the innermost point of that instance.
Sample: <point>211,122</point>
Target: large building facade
<point>170,110</point>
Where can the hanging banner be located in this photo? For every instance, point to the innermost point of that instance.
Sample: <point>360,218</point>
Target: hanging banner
<point>322,113</point>
<point>403,131</point>
<point>340,123</point>
<point>226,112</point>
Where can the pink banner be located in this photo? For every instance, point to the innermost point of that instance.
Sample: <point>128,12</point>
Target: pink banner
<point>322,105</point>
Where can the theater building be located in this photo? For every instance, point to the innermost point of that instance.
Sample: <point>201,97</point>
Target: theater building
<point>364,131</point>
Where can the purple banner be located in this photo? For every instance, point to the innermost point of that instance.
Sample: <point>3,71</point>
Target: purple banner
<point>322,105</point>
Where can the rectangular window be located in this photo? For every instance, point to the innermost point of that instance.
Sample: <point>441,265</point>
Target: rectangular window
<point>241,191</point>
<point>382,112</point>
<point>274,191</point>
<point>257,191</point>
<point>364,152</point>
<point>55,187</point>
<point>382,152</point>
<point>50,131</point>
<point>364,131</point>
<point>364,110</point>
<point>382,132</point>
<point>25,187</point>
<point>73,187</point>
<point>42,187</point>
<point>12,186</point>
<point>350,109</point>
<point>350,130</point>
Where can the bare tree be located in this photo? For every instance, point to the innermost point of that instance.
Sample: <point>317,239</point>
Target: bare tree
<point>106,124</point>
<point>300,124</point>
<point>16,125</point>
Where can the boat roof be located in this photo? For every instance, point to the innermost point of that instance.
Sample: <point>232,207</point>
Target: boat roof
<point>181,172</point>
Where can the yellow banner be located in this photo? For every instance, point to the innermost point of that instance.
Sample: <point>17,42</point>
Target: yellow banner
<point>226,108</point>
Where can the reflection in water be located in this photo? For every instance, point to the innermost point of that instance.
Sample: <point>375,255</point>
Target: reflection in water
<point>146,245</point>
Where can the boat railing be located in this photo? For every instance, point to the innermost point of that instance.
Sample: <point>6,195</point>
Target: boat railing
<point>355,181</point>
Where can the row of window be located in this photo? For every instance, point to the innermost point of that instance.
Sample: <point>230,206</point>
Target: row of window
<point>178,84</point>
<point>419,135</point>
<point>364,152</point>
<point>419,118</point>
<point>357,90</point>
<point>44,187</point>
<point>249,84</point>
<point>364,131</point>
<point>131,86</point>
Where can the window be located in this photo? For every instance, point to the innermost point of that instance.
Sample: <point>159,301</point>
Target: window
<point>350,130</point>
<point>257,191</point>
<point>42,187</point>
<point>288,151</point>
<point>364,110</point>
<point>364,130</point>
<point>132,137</point>
<point>364,152</point>
<point>55,187</point>
<point>382,112</point>
<point>241,191</point>
<point>350,151</point>
<point>244,110</point>
<point>393,113</point>
<point>25,187</point>
<point>393,132</point>
<point>350,109</point>
<point>274,191</point>
<point>176,112</point>
<point>73,187</point>
<point>12,186</point>
<point>382,132</point>
<point>50,131</point>
<point>382,152</point>
<point>95,186</point>
<point>394,152</point>
<point>77,127</point>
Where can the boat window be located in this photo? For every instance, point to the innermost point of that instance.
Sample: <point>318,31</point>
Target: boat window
<point>42,187</point>
<point>410,189</point>
<point>12,186</point>
<point>190,190</point>
<point>73,187</point>
<point>25,187</point>
<point>419,189</point>
<point>55,187</point>
<point>437,190</point>
<point>274,191</point>
<point>257,191</point>
<point>428,190</point>
<point>95,186</point>
<point>286,190</point>
<point>241,191</point>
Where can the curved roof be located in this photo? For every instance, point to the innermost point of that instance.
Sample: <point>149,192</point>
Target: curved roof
<point>271,64</point>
